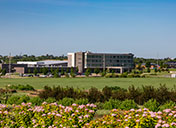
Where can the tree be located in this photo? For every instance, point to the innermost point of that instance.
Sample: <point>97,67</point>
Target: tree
<point>72,73</point>
<point>56,74</point>
<point>45,71</point>
<point>87,73</point>
<point>3,72</point>
<point>52,71</point>
<point>62,71</point>
<point>103,73</point>
<point>0,70</point>
<point>96,70</point>
<point>35,71</point>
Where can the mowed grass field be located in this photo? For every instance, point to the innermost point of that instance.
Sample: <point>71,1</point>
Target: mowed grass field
<point>86,83</point>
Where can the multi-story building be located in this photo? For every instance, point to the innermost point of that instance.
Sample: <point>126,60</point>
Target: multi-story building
<point>118,62</point>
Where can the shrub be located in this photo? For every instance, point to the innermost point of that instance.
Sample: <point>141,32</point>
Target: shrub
<point>107,92</point>
<point>152,105</point>
<point>66,101</point>
<point>99,105</point>
<point>22,87</point>
<point>168,105</point>
<point>95,95</point>
<point>128,104</point>
<point>13,100</point>
<point>81,101</point>
<point>36,101</point>
<point>111,104</point>
<point>50,100</point>
<point>103,73</point>
<point>18,99</point>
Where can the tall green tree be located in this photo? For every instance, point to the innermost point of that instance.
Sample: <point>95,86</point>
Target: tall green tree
<point>88,72</point>
<point>96,71</point>
<point>72,72</point>
<point>35,71</point>
<point>3,72</point>
<point>62,71</point>
<point>45,71</point>
<point>52,71</point>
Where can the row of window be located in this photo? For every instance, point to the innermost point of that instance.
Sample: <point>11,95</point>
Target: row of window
<point>108,56</point>
<point>121,61</point>
<point>113,65</point>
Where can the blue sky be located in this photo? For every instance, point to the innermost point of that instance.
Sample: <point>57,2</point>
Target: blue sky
<point>143,27</point>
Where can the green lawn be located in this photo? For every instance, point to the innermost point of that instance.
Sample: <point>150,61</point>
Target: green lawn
<point>86,83</point>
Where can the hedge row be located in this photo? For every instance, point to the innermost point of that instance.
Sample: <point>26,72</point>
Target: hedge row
<point>139,95</point>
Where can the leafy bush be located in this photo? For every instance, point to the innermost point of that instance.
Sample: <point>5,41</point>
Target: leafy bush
<point>111,104</point>
<point>36,101</point>
<point>99,105</point>
<point>50,100</point>
<point>152,105</point>
<point>95,95</point>
<point>66,101</point>
<point>128,104</point>
<point>18,99</point>
<point>81,101</point>
<point>168,105</point>
<point>22,87</point>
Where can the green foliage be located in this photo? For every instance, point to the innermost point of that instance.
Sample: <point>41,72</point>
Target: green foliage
<point>112,104</point>
<point>35,71</point>
<point>96,70</point>
<point>87,73</point>
<point>50,100</point>
<point>81,101</point>
<point>66,75</point>
<point>45,71</point>
<point>62,71</point>
<point>36,101</point>
<point>66,101</point>
<point>22,87</point>
<point>168,105</point>
<point>3,72</point>
<point>18,99</point>
<point>95,95</point>
<point>103,73</point>
<point>128,104</point>
<point>152,105</point>
<point>72,73</point>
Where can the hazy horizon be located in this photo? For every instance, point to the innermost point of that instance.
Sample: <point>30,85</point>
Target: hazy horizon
<point>146,28</point>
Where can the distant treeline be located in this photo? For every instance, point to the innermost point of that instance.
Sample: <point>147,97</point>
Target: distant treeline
<point>25,57</point>
<point>156,61</point>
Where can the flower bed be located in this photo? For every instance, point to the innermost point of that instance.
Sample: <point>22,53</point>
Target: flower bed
<point>141,118</point>
<point>58,116</point>
<point>46,115</point>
